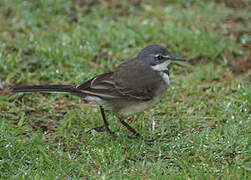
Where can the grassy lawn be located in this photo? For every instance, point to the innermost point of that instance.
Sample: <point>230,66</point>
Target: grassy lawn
<point>203,121</point>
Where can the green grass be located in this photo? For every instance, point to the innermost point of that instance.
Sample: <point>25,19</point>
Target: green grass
<point>204,119</point>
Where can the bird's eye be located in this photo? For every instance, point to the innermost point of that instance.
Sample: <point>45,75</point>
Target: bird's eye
<point>159,56</point>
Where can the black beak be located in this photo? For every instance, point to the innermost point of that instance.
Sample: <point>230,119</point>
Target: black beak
<point>174,58</point>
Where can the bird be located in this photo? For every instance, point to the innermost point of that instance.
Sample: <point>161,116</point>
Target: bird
<point>133,86</point>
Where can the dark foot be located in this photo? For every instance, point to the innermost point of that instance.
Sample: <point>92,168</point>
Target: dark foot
<point>128,126</point>
<point>136,135</point>
<point>103,129</point>
<point>99,129</point>
<point>110,132</point>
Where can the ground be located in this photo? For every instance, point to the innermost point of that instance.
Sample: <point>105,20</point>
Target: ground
<point>203,122</point>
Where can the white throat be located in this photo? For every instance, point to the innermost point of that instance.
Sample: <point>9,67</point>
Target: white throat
<point>162,66</point>
<point>163,70</point>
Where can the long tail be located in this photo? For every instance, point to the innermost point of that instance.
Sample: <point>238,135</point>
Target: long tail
<point>44,88</point>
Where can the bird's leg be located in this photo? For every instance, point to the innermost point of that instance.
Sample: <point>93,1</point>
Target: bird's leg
<point>137,135</point>
<point>121,119</point>
<point>101,129</point>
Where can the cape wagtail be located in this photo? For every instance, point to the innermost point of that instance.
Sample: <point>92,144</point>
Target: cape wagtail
<point>133,86</point>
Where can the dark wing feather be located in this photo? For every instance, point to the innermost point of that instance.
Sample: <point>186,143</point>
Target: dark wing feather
<point>98,80</point>
<point>127,81</point>
<point>102,86</point>
<point>140,94</point>
<point>136,81</point>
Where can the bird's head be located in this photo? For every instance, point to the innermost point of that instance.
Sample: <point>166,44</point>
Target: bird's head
<point>157,57</point>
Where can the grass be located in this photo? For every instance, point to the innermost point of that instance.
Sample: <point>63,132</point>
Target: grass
<point>204,119</point>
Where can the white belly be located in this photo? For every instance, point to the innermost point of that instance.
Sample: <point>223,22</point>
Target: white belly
<point>138,107</point>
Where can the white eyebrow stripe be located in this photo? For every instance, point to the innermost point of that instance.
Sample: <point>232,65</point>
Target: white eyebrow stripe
<point>166,56</point>
<point>156,55</point>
